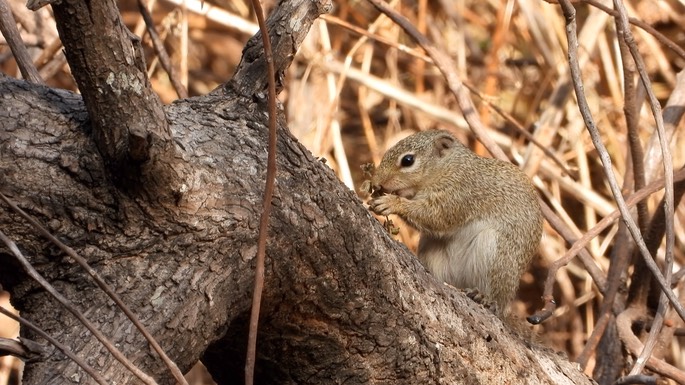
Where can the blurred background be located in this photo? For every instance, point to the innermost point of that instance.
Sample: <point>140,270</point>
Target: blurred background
<point>358,84</point>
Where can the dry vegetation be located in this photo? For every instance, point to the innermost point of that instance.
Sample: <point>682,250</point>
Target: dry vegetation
<point>359,84</point>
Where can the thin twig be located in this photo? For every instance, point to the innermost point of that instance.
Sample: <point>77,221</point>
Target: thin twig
<point>26,323</point>
<point>570,15</point>
<point>102,285</point>
<point>65,302</point>
<point>639,23</point>
<point>656,327</point>
<point>266,204</point>
<point>522,130</point>
<point>23,349</point>
<point>653,240</point>
<point>632,344</point>
<point>9,30</point>
<point>623,30</point>
<point>584,256</point>
<point>579,245</point>
<point>349,71</point>
<point>630,201</point>
<point>162,54</point>
<point>48,53</point>
<point>674,110</point>
<point>376,37</point>
<point>446,67</point>
<point>620,258</point>
<point>631,111</point>
<point>655,106</point>
<point>621,254</point>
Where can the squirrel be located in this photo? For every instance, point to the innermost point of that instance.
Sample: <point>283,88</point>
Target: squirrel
<point>479,218</point>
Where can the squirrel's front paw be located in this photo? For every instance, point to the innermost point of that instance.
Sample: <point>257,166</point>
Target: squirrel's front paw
<point>384,205</point>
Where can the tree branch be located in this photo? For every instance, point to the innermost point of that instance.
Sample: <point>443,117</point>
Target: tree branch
<point>288,24</point>
<point>101,284</point>
<point>129,125</point>
<point>31,271</point>
<point>9,30</point>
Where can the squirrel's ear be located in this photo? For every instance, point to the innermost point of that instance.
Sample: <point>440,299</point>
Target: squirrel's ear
<point>443,143</point>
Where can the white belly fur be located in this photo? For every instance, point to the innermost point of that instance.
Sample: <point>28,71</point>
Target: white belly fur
<point>461,259</point>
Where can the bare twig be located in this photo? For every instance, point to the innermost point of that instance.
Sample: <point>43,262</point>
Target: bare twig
<point>354,74</point>
<point>639,23</point>
<point>579,245</point>
<point>673,114</point>
<point>522,130</point>
<point>21,348</point>
<point>266,204</point>
<point>48,53</point>
<point>655,105</point>
<point>631,112</point>
<point>667,208</point>
<point>630,201</point>
<point>624,322</point>
<point>54,65</point>
<point>584,255</point>
<point>653,240</point>
<point>570,15</point>
<point>620,260</point>
<point>668,201</point>
<point>446,66</point>
<point>65,302</point>
<point>376,37</point>
<point>158,45</point>
<point>621,253</point>
<point>656,327</point>
<point>9,30</point>
<point>24,322</point>
<point>623,30</point>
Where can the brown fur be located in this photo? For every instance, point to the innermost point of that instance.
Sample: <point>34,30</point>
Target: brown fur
<point>479,218</point>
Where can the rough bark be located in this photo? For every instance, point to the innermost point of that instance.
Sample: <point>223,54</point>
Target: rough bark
<point>107,62</point>
<point>343,303</point>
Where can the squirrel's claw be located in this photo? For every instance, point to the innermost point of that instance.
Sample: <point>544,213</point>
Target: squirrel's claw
<point>384,205</point>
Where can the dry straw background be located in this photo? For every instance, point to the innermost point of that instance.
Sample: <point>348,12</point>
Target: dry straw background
<point>358,84</point>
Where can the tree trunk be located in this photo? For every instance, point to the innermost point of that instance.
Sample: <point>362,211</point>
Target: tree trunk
<point>174,233</point>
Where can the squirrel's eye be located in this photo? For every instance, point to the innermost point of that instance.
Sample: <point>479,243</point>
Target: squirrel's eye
<point>407,160</point>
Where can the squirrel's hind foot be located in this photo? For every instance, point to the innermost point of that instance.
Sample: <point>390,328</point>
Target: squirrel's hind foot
<point>478,297</point>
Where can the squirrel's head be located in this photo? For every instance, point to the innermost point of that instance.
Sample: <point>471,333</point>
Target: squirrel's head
<point>409,164</point>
